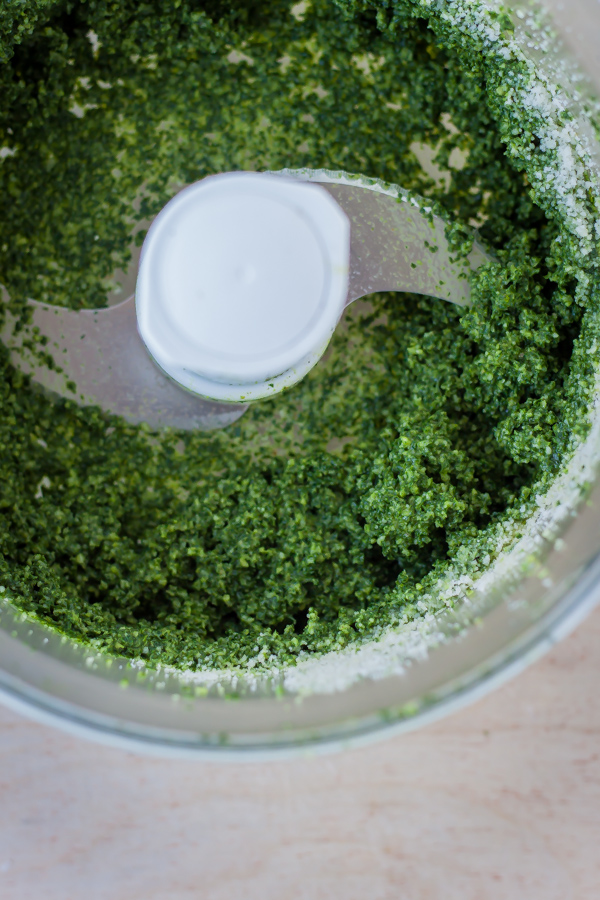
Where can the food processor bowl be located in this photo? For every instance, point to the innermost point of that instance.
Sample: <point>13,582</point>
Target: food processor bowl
<point>541,589</point>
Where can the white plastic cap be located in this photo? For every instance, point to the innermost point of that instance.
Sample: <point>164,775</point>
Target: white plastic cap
<point>243,278</point>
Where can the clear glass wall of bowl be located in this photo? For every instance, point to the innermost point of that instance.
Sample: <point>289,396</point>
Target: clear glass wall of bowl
<point>471,649</point>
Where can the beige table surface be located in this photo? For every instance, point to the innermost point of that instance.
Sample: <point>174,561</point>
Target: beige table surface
<point>501,800</point>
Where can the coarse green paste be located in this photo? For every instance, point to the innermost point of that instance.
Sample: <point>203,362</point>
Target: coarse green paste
<point>333,511</point>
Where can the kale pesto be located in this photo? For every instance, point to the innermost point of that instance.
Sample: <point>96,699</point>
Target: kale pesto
<point>334,511</point>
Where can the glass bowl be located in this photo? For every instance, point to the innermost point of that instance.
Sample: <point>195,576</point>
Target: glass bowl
<point>547,585</point>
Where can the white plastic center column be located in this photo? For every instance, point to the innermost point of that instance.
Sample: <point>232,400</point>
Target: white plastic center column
<point>242,281</point>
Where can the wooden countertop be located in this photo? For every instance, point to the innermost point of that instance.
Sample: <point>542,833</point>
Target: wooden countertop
<point>500,801</point>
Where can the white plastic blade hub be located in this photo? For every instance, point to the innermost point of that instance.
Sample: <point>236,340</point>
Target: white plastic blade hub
<point>242,281</point>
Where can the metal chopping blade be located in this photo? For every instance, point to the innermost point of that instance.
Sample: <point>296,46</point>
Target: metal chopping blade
<point>100,359</point>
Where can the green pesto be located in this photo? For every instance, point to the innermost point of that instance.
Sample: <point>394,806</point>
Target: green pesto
<point>330,512</point>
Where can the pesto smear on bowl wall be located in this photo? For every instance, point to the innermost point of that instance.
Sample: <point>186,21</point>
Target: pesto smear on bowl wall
<point>332,512</point>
